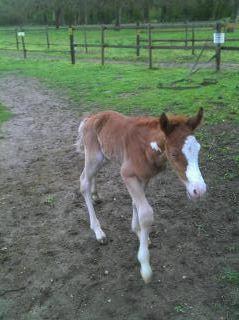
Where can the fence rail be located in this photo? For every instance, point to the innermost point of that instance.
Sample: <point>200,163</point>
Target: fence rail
<point>147,41</point>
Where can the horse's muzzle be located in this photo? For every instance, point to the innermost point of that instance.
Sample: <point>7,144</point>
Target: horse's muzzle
<point>196,190</point>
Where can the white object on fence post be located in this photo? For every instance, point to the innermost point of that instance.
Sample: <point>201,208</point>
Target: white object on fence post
<point>21,34</point>
<point>219,37</point>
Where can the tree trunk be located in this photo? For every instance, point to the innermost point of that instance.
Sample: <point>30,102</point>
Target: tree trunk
<point>118,12</point>
<point>163,13</point>
<point>146,10</point>
<point>215,9</point>
<point>58,15</point>
<point>45,17</point>
<point>85,13</point>
<point>76,18</point>
<point>236,11</point>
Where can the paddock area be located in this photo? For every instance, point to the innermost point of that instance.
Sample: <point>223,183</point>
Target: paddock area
<point>51,265</point>
<point>151,44</point>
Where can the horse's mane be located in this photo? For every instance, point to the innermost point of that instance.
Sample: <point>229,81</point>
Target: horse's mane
<point>147,121</point>
<point>153,122</point>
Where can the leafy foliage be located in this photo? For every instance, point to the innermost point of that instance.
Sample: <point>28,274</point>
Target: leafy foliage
<point>116,11</point>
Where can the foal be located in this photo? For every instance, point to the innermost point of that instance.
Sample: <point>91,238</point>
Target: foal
<point>141,145</point>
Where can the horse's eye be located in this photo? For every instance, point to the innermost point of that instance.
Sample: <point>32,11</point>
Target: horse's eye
<point>174,154</point>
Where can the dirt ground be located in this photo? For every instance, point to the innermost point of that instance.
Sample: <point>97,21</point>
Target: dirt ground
<point>51,267</point>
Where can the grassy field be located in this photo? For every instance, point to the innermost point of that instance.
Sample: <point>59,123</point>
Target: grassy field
<point>129,89</point>
<point>123,87</point>
<point>59,40</point>
<point>4,114</point>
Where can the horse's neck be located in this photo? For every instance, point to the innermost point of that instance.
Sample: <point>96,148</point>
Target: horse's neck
<point>145,149</point>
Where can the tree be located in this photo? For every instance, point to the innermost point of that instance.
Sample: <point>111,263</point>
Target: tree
<point>61,12</point>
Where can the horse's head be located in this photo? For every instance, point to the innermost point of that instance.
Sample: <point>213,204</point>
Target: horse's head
<point>182,151</point>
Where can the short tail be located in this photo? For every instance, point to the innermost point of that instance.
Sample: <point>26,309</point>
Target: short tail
<point>80,138</point>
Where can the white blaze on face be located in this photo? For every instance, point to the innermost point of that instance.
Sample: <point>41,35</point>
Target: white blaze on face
<point>195,184</point>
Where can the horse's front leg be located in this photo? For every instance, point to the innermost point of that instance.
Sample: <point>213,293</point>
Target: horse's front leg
<point>135,226</point>
<point>94,193</point>
<point>145,221</point>
<point>145,213</point>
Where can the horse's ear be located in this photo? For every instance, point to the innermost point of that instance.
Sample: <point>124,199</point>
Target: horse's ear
<point>194,122</point>
<point>165,125</point>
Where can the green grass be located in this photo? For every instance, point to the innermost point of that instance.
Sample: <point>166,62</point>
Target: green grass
<point>180,308</point>
<point>236,159</point>
<point>133,88</point>
<point>4,114</point>
<point>234,248</point>
<point>230,276</point>
<point>50,200</point>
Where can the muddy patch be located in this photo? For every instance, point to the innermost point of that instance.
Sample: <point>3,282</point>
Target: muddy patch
<point>51,267</point>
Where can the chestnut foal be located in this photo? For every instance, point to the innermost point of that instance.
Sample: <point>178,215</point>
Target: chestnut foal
<point>141,145</point>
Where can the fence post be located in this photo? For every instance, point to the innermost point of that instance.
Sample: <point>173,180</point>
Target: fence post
<point>24,47</point>
<point>186,34</point>
<point>85,40</point>
<point>72,46</point>
<point>150,45</point>
<point>193,40</point>
<point>102,45</point>
<point>137,40</point>
<point>17,41</point>
<point>47,38</point>
<point>218,48</point>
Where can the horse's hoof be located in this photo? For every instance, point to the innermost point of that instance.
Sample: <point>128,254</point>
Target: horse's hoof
<point>146,273</point>
<point>103,241</point>
<point>96,199</point>
<point>101,237</point>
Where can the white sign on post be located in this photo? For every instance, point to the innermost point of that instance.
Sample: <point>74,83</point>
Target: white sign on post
<point>21,34</point>
<point>218,37</point>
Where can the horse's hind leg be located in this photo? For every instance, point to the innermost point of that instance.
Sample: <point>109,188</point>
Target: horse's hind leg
<point>135,226</point>
<point>93,161</point>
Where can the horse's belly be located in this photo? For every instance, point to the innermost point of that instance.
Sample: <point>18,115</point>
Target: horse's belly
<point>111,152</point>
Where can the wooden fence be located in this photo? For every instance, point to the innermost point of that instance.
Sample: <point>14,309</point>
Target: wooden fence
<point>189,42</point>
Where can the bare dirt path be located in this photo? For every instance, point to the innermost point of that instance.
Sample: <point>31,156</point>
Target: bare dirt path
<point>36,154</point>
<point>50,265</point>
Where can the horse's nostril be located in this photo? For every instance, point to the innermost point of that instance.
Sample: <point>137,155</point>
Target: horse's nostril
<point>195,191</point>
